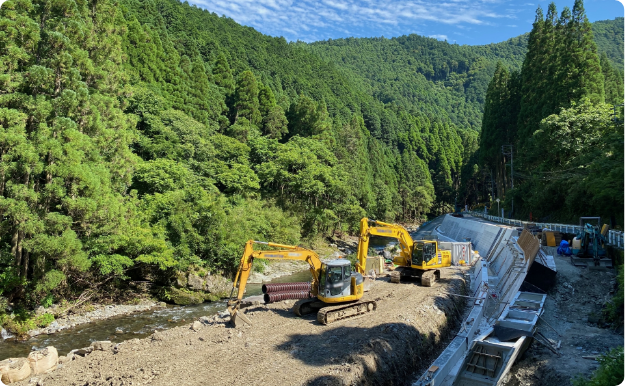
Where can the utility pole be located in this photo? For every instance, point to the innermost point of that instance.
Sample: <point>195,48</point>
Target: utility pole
<point>507,150</point>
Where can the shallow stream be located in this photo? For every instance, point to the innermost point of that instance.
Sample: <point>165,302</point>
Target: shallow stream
<point>135,325</point>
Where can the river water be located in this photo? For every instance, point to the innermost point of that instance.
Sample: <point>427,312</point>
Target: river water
<point>139,324</point>
<point>136,325</point>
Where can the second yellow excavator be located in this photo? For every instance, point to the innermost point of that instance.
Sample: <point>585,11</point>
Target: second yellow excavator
<point>335,291</point>
<point>420,259</point>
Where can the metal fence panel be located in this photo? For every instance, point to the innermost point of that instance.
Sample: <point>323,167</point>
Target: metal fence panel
<point>615,238</point>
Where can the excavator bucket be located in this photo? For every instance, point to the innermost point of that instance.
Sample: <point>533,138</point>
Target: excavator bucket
<point>235,315</point>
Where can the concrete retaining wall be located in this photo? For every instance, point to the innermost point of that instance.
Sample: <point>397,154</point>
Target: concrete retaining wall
<point>496,277</point>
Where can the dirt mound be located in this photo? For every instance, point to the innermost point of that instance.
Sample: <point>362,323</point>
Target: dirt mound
<point>391,346</point>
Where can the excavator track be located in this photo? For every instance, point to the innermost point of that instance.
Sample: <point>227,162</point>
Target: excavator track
<point>330,314</point>
<point>427,278</point>
<point>307,306</point>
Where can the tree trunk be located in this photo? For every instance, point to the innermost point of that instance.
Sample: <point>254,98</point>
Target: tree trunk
<point>14,243</point>
<point>25,265</point>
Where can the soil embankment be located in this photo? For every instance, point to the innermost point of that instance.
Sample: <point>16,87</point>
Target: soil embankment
<point>390,346</point>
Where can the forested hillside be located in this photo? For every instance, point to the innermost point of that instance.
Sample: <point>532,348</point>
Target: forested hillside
<point>143,137</point>
<point>423,74</point>
<point>608,35</point>
<point>558,113</point>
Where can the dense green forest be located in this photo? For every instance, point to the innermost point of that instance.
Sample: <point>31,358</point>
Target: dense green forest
<point>423,74</point>
<point>144,137</point>
<point>562,113</point>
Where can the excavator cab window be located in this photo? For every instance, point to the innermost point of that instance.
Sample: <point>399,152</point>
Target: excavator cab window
<point>335,275</point>
<point>322,278</point>
<point>417,254</point>
<point>423,252</point>
<point>429,251</point>
<point>334,279</point>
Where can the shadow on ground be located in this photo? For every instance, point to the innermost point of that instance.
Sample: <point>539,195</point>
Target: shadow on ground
<point>386,354</point>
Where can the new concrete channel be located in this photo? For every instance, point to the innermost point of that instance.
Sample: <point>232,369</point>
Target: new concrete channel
<point>502,320</point>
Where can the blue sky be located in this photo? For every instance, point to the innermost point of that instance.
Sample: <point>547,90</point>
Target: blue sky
<point>462,21</point>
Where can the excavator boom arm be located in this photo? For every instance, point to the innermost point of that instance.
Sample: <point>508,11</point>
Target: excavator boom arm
<point>285,252</point>
<point>386,230</point>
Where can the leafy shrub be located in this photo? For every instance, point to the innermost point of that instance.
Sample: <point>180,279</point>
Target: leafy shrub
<point>614,309</point>
<point>47,301</point>
<point>609,373</point>
<point>44,320</point>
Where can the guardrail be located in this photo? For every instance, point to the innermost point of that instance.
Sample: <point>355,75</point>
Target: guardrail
<point>615,238</point>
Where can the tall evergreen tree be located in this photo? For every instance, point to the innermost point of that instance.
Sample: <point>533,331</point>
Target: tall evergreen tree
<point>222,74</point>
<point>275,124</point>
<point>531,76</point>
<point>589,81</point>
<point>246,98</point>
<point>613,81</point>
<point>266,99</point>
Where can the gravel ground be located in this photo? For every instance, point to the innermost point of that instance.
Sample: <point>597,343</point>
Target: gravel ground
<point>393,345</point>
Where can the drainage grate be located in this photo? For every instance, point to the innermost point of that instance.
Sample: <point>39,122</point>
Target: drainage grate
<point>483,362</point>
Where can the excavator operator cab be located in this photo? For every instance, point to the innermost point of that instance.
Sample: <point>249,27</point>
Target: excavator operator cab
<point>336,277</point>
<point>423,252</point>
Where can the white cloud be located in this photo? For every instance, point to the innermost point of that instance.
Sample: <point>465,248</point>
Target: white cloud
<point>303,19</point>
<point>438,37</point>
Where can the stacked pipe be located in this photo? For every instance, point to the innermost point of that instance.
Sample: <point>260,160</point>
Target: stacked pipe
<point>283,291</point>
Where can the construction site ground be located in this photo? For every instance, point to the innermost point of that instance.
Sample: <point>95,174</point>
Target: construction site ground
<point>392,345</point>
<point>573,308</point>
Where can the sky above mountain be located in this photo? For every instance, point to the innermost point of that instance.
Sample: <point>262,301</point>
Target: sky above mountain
<point>462,21</point>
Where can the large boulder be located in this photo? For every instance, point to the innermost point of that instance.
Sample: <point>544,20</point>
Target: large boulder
<point>181,280</point>
<point>195,282</point>
<point>14,370</point>
<point>44,360</point>
<point>184,298</point>
<point>218,286</point>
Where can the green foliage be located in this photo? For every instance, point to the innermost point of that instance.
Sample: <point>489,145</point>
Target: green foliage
<point>222,74</point>
<point>423,74</point>
<point>21,321</point>
<point>44,320</point>
<point>556,103</point>
<point>610,371</point>
<point>47,301</point>
<point>143,137</point>
<point>246,102</point>
<point>353,259</point>
<point>614,309</point>
<point>609,38</point>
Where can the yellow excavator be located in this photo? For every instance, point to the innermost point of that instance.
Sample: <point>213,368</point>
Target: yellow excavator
<point>335,289</point>
<point>420,259</point>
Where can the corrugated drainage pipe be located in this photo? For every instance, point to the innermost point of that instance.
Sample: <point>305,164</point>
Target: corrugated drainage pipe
<point>277,296</point>
<point>282,287</point>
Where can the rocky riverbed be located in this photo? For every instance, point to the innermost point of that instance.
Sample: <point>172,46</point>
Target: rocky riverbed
<point>99,313</point>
